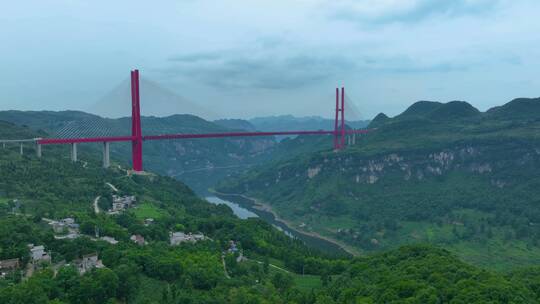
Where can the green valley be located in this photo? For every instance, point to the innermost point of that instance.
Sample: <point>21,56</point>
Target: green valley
<point>444,174</point>
<point>212,256</point>
<point>270,152</point>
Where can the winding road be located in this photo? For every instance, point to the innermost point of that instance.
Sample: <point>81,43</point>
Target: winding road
<point>112,187</point>
<point>96,207</point>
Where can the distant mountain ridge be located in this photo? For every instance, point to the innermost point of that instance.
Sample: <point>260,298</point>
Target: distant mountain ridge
<point>235,124</point>
<point>519,108</point>
<point>438,110</point>
<point>9,130</point>
<point>289,122</point>
<point>45,120</point>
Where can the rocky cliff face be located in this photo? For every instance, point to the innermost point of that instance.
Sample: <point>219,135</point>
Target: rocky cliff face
<point>488,176</point>
<point>422,165</point>
<point>488,159</point>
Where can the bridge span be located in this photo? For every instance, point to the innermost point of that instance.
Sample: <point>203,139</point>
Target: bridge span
<point>339,133</point>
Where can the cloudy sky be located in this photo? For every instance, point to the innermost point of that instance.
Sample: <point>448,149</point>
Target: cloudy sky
<point>266,57</point>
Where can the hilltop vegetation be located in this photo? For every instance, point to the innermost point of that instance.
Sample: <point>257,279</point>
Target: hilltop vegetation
<point>446,174</point>
<point>11,131</point>
<point>278,269</point>
<point>420,274</point>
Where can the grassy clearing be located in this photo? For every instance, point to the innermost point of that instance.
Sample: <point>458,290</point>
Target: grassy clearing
<point>497,255</point>
<point>277,262</point>
<point>303,282</point>
<point>147,210</point>
<point>412,232</point>
<point>307,282</point>
<point>321,223</point>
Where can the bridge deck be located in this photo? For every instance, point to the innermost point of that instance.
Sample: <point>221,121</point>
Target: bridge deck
<point>51,141</point>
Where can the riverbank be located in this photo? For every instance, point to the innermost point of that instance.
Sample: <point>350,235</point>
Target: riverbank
<point>264,207</point>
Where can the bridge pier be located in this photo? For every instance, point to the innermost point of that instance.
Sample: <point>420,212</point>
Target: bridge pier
<point>21,149</point>
<point>38,150</point>
<point>74,152</point>
<point>106,159</point>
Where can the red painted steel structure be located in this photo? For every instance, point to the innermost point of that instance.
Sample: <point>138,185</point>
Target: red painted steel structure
<point>137,138</point>
<point>136,131</point>
<point>336,143</point>
<point>342,145</point>
<point>339,127</point>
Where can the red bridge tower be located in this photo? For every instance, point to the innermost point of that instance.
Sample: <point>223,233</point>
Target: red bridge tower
<point>136,130</point>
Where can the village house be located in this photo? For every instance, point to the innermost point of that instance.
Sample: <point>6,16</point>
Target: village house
<point>121,203</point>
<point>68,221</point>
<point>58,227</point>
<point>148,221</point>
<point>178,237</point>
<point>65,225</point>
<point>88,262</point>
<point>138,239</point>
<point>7,266</point>
<point>109,240</point>
<point>38,254</point>
<point>70,224</point>
<point>232,247</point>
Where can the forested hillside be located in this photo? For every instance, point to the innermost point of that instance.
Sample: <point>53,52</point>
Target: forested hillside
<point>34,191</point>
<point>420,274</point>
<point>237,261</point>
<point>446,174</point>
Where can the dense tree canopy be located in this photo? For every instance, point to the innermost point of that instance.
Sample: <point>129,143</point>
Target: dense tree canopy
<point>274,268</point>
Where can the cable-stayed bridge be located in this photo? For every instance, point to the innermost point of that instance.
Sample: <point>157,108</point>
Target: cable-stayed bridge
<point>103,130</point>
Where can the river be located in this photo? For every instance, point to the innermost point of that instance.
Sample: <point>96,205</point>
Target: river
<point>244,208</point>
<point>238,210</point>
